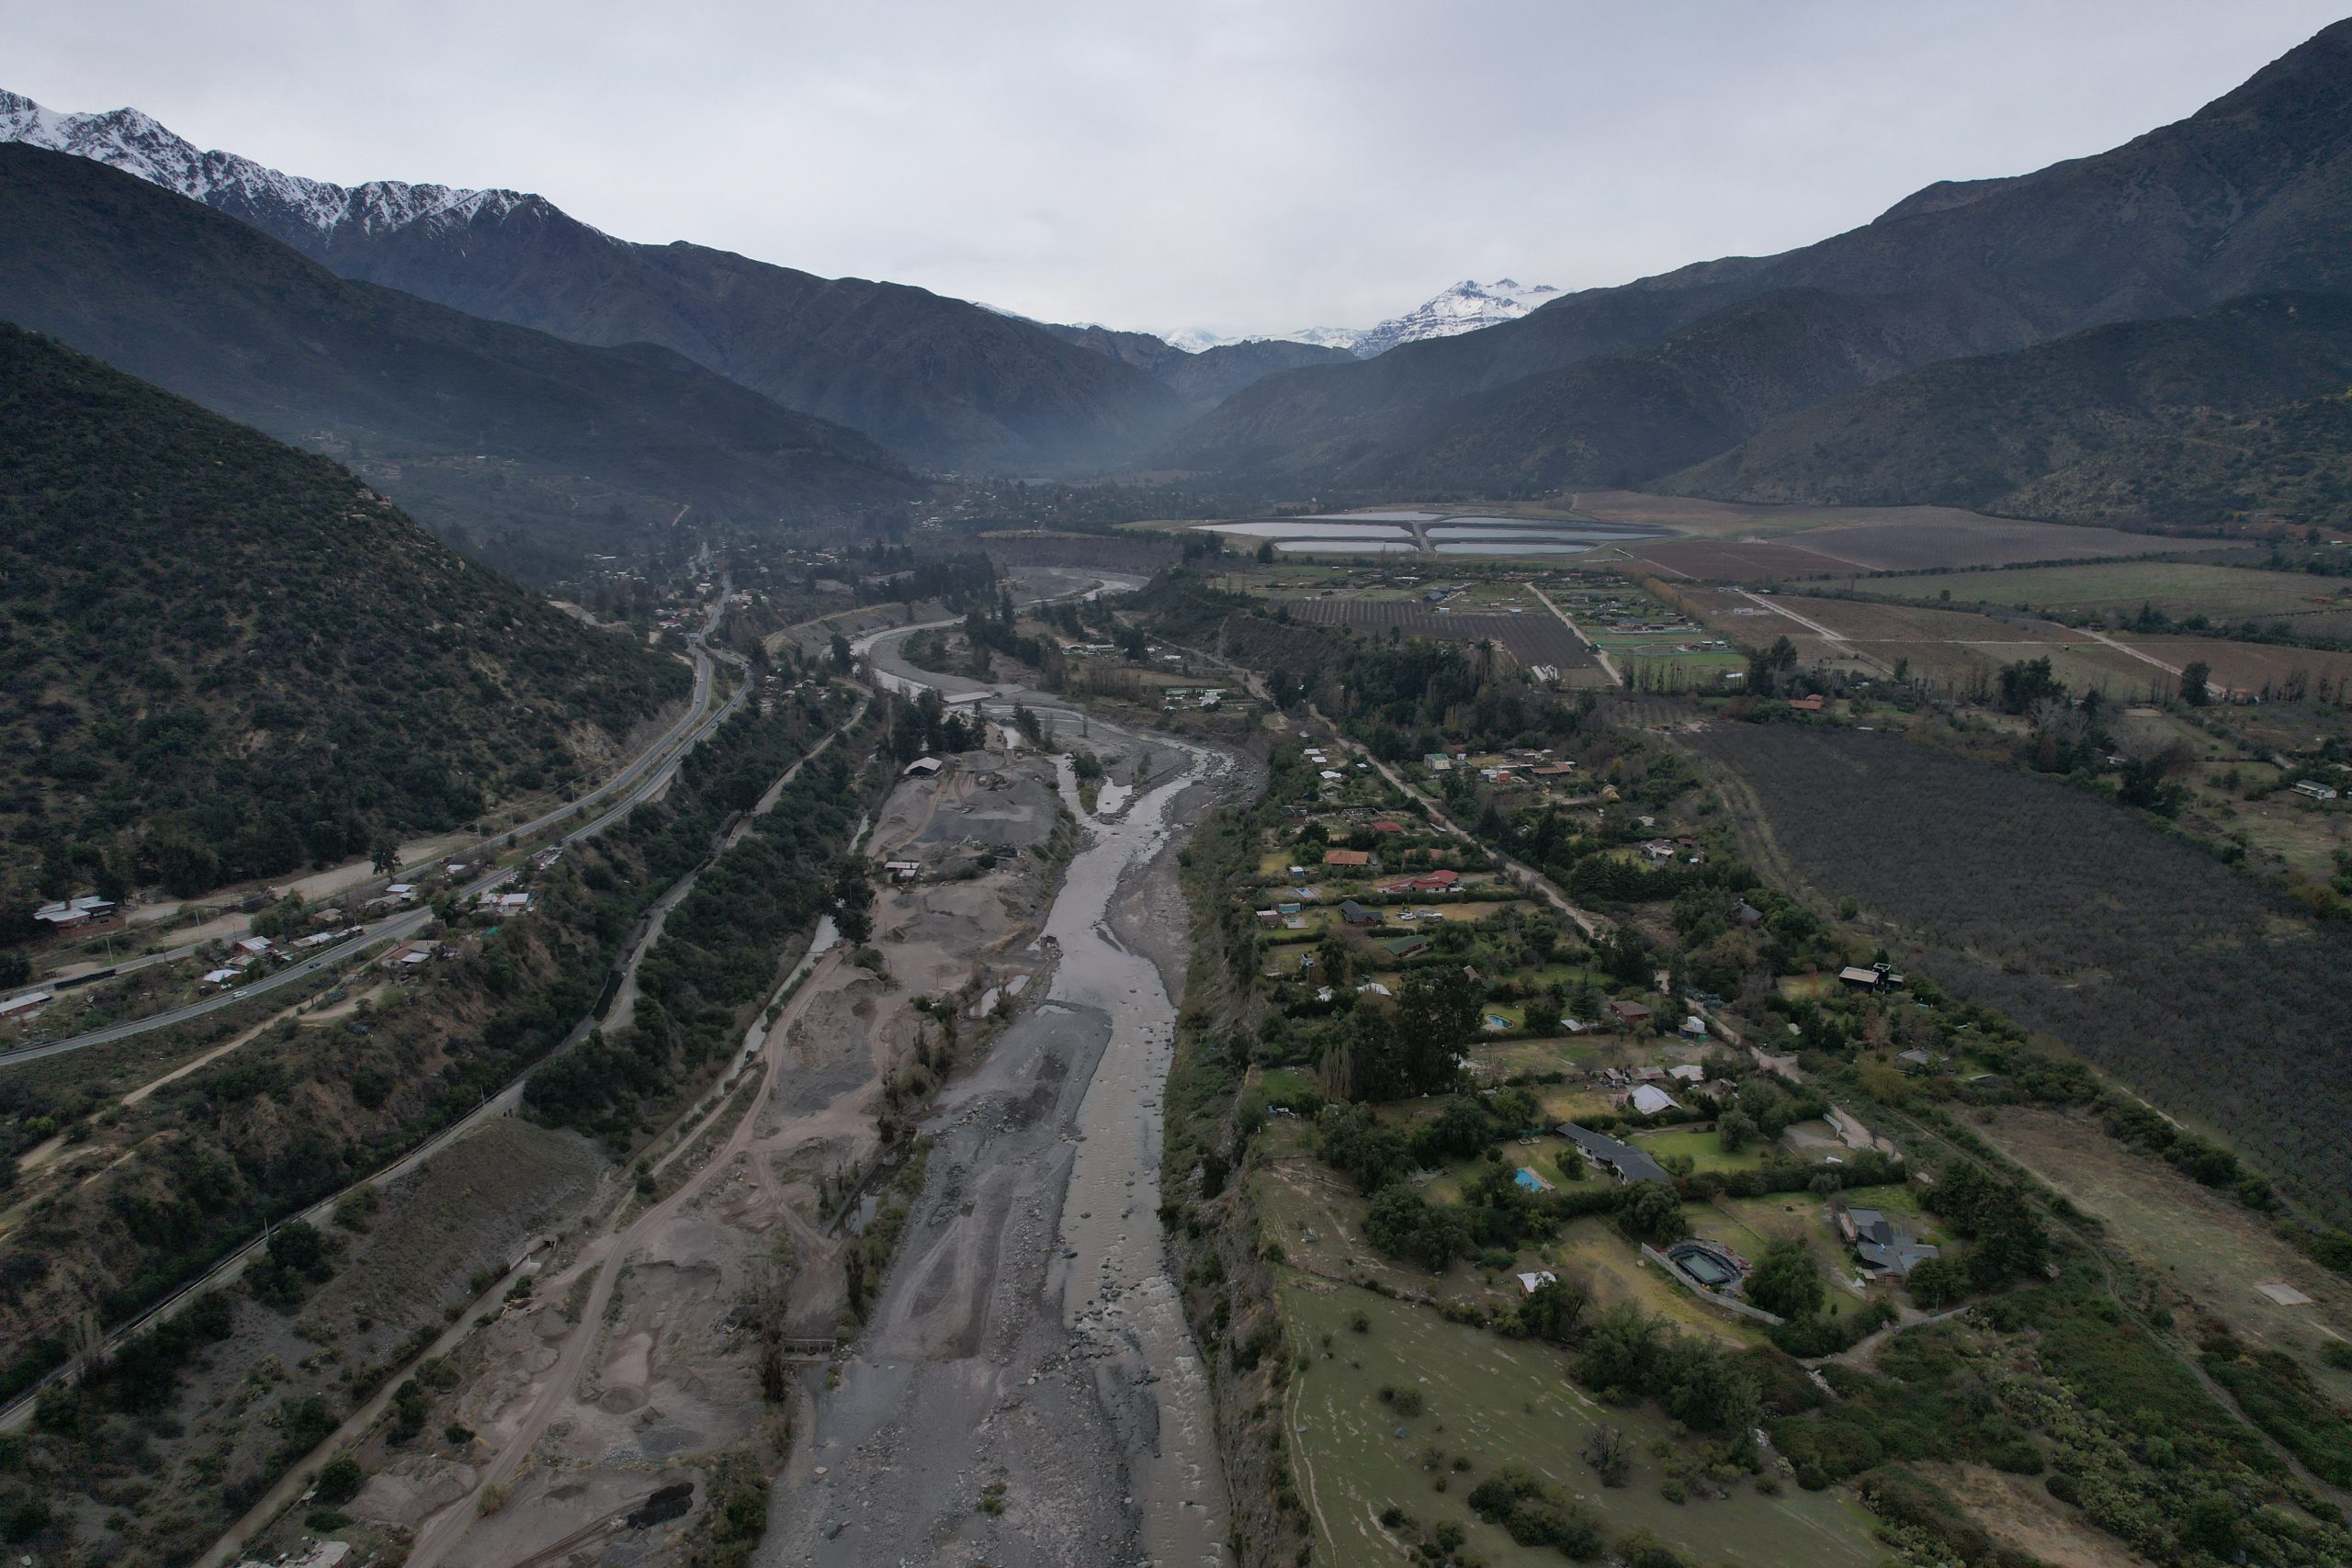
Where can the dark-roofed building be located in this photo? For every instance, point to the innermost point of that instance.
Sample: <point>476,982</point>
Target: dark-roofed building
<point>1880,1248</point>
<point>1355,914</point>
<point>1622,1160</point>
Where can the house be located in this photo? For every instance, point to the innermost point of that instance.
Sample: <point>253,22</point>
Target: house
<point>1649,1100</point>
<point>72,912</point>
<point>1349,860</point>
<point>1880,1245</point>
<point>1532,1282</point>
<point>1269,918</point>
<point>1385,826</point>
<point>1553,770</point>
<point>903,870</point>
<point>1427,882</point>
<point>1747,916</point>
<point>512,903</point>
<point>408,957</point>
<point>2314,791</point>
<point>253,946</point>
<point>1631,1014</point>
<point>1623,1161</point>
<point>1355,914</point>
<point>1406,946</point>
<point>1374,988</point>
<point>1813,704</point>
<point>1873,978</point>
<point>405,892</point>
<point>1687,1072</point>
<point>217,978</point>
<point>1919,1059</point>
<point>923,768</point>
<point>1694,1028</point>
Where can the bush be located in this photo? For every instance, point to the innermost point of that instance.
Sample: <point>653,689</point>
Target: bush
<point>1535,1513</point>
<point>340,1479</point>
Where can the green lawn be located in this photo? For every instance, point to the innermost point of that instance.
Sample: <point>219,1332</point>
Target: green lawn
<point>1705,1150</point>
<point>1493,1401</point>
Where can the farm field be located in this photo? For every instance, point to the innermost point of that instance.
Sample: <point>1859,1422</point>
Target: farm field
<point>2260,668</point>
<point>2020,892</point>
<point>2119,589</point>
<point>1957,648</point>
<point>1532,638</point>
<point>2205,1245</point>
<point>1500,1401</point>
<point>1893,539</point>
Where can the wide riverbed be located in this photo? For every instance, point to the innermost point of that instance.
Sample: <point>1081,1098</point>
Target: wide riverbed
<point>1029,1338</point>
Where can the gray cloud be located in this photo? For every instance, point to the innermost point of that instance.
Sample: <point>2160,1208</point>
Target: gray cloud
<point>1231,166</point>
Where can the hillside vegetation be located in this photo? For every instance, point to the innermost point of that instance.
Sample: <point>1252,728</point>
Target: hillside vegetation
<point>226,659</point>
<point>486,430</point>
<point>1977,431</point>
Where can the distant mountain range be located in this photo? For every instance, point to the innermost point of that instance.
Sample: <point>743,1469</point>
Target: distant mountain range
<point>947,385</point>
<point>1465,308</point>
<point>539,448</point>
<point>1627,385</point>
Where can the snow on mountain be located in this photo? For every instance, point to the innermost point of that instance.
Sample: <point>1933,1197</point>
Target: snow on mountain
<point>1465,308</point>
<point>137,145</point>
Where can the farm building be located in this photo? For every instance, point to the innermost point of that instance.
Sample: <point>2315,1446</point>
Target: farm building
<point>1648,1100</point>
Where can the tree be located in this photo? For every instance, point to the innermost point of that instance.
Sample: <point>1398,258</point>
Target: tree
<point>1331,960</point>
<point>852,902</point>
<point>1403,1223</point>
<point>1554,1311</point>
<point>1651,1211</point>
<point>2195,676</point>
<point>1735,1130</point>
<point>1266,553</point>
<point>385,858</point>
<point>1785,1281</point>
<point>840,651</point>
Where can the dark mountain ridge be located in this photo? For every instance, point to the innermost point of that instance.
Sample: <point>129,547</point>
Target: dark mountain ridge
<point>944,383</point>
<point>1970,431</point>
<point>478,427</point>
<point>2252,193</point>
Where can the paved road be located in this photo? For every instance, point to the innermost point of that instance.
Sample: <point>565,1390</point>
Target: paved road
<point>647,774</point>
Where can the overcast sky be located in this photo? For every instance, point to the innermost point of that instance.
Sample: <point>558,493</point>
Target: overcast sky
<point>1225,166</point>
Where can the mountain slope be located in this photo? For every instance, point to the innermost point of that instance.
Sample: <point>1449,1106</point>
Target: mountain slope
<point>1200,379</point>
<point>944,383</point>
<point>1969,431</point>
<point>472,424</point>
<point>226,657</point>
<point>2252,192</point>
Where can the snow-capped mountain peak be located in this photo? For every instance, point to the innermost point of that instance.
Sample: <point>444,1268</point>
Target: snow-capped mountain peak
<point>137,145</point>
<point>1465,308</point>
